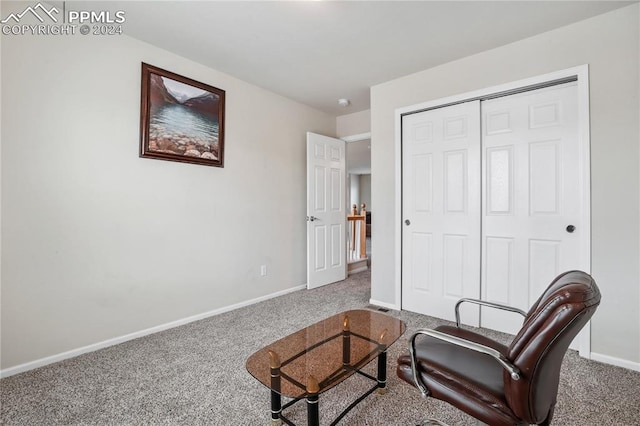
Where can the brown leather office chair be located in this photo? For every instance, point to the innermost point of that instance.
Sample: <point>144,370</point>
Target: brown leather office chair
<point>498,384</point>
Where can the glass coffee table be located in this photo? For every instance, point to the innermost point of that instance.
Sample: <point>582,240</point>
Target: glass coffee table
<point>313,360</point>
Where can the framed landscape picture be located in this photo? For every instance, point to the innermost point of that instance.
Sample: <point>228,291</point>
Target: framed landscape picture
<point>180,119</point>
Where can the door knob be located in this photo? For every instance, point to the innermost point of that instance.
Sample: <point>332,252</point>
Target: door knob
<point>407,222</point>
<point>571,228</point>
<point>312,218</point>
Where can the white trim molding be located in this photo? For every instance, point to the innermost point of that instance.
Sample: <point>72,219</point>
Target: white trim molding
<point>356,138</point>
<point>121,339</point>
<point>618,362</point>
<point>395,307</point>
<point>357,270</point>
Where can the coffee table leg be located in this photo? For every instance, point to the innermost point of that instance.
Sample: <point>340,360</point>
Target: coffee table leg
<point>276,398</point>
<point>346,342</point>
<point>313,413</point>
<point>313,417</point>
<point>276,408</point>
<point>382,373</point>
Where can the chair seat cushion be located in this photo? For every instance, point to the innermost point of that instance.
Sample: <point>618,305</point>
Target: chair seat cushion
<point>474,337</point>
<point>467,379</point>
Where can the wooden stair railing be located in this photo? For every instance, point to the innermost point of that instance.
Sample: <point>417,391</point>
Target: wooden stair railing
<point>358,228</point>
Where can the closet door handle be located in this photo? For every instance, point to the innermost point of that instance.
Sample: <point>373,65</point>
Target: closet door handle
<point>570,229</point>
<point>407,222</point>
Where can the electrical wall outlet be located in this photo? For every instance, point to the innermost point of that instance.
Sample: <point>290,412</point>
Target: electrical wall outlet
<point>263,270</point>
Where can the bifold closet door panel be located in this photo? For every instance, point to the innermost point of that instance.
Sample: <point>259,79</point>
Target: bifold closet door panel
<point>441,210</point>
<point>531,197</point>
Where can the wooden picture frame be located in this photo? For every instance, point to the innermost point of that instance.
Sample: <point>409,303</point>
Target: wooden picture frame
<point>180,119</point>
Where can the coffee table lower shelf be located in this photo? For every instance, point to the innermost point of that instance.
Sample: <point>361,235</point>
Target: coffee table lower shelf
<point>313,412</point>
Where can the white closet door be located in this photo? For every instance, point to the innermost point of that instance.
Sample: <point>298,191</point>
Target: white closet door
<point>441,210</point>
<point>531,198</point>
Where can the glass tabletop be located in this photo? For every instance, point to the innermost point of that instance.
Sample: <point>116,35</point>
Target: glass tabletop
<point>318,357</point>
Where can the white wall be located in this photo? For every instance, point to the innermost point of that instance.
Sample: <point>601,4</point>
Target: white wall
<point>98,243</point>
<point>359,191</point>
<point>354,191</point>
<point>610,45</point>
<point>355,123</point>
<point>365,191</point>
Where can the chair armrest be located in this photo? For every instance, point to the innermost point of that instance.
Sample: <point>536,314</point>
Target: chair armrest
<point>455,340</point>
<point>485,303</point>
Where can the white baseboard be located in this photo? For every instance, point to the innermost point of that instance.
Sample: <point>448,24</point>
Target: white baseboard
<point>384,304</point>
<point>618,362</point>
<point>121,339</point>
<point>359,269</point>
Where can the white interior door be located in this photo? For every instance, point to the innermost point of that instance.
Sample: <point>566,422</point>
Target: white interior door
<point>531,198</point>
<point>441,210</point>
<point>326,210</point>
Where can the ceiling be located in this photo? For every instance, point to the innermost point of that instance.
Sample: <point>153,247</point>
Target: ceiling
<point>319,51</point>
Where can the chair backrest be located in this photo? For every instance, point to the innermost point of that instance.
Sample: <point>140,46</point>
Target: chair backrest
<point>538,349</point>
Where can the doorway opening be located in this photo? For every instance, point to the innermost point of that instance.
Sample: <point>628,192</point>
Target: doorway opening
<point>358,155</point>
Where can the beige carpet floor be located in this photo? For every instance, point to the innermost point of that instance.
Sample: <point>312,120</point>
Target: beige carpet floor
<point>195,375</point>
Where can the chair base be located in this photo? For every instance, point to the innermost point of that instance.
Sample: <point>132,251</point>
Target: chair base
<point>430,422</point>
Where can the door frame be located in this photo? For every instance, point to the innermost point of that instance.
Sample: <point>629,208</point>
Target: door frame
<point>580,74</point>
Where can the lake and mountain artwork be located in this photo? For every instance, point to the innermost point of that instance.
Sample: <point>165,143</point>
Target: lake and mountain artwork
<point>183,120</point>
